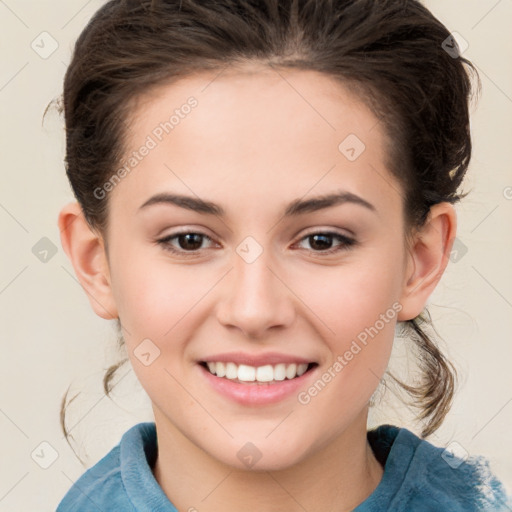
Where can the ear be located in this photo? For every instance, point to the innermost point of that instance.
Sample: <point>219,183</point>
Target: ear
<point>87,254</point>
<point>427,259</point>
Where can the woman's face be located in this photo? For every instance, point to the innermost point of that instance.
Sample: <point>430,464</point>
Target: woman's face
<point>269,275</point>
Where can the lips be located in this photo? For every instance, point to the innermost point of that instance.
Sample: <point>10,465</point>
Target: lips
<point>260,368</point>
<point>261,392</point>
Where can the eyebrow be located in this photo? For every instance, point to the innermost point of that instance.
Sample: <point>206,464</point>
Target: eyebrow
<point>296,207</point>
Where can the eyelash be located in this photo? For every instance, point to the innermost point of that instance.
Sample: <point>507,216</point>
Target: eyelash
<point>346,242</point>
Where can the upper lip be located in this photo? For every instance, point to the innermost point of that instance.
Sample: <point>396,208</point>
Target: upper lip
<point>256,360</point>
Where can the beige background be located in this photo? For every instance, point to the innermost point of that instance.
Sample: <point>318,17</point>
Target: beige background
<point>52,339</point>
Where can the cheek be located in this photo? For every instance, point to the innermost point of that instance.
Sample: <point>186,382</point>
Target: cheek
<point>352,297</point>
<point>358,307</point>
<point>158,305</point>
<point>359,355</point>
<point>153,295</point>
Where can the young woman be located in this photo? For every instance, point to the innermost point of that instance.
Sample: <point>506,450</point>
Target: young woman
<point>265,192</point>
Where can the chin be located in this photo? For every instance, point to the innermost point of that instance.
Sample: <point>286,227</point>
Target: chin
<point>255,456</point>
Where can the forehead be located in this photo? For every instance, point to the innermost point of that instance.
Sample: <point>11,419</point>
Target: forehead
<point>272,134</point>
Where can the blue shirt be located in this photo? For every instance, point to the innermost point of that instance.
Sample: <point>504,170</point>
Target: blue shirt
<point>418,477</point>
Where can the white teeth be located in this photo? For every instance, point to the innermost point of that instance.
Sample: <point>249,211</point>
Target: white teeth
<point>301,368</point>
<point>265,373</point>
<point>291,371</point>
<point>220,369</point>
<point>279,371</point>
<point>246,373</point>
<point>231,371</point>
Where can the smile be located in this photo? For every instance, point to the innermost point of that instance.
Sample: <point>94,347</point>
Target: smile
<point>260,385</point>
<point>266,373</point>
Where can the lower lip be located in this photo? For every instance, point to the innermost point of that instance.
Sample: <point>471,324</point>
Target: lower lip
<point>255,393</point>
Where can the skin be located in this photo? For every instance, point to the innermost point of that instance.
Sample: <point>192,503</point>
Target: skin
<point>253,145</point>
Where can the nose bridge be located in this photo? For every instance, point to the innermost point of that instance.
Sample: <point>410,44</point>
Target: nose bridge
<point>256,299</point>
<point>252,274</point>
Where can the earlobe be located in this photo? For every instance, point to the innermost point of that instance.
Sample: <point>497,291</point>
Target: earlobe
<point>86,251</point>
<point>427,259</point>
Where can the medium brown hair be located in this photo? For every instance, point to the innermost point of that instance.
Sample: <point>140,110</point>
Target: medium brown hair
<point>390,52</point>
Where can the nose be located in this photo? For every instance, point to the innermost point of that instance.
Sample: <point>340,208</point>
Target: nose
<point>256,297</point>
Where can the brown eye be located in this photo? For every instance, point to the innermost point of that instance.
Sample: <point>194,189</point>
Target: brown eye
<point>322,242</point>
<point>187,242</point>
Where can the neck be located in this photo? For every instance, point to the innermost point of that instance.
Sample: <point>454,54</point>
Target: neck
<point>337,477</point>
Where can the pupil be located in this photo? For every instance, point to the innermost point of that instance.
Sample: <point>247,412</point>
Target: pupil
<point>189,238</point>
<point>323,245</point>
